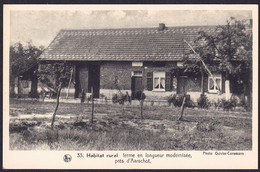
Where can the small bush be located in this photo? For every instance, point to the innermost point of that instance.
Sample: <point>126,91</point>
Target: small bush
<point>34,95</point>
<point>114,98</point>
<point>13,95</point>
<point>121,98</point>
<point>229,104</point>
<point>171,99</point>
<point>189,103</point>
<point>177,100</point>
<point>139,95</point>
<point>203,102</point>
<point>217,104</point>
<point>243,104</point>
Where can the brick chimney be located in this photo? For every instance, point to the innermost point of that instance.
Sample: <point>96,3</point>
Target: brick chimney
<point>161,26</point>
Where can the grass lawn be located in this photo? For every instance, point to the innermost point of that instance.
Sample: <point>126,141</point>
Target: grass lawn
<point>114,130</point>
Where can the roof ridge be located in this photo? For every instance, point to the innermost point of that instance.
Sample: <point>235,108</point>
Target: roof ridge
<point>123,44</point>
<point>144,28</point>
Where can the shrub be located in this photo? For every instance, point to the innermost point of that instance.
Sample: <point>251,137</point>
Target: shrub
<point>120,98</point>
<point>203,102</point>
<point>114,98</point>
<point>13,95</point>
<point>177,100</point>
<point>171,99</point>
<point>217,104</point>
<point>139,95</point>
<point>34,95</point>
<point>243,104</point>
<point>229,104</point>
<point>189,103</point>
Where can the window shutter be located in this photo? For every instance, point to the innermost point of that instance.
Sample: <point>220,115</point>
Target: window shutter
<point>168,81</point>
<point>149,81</point>
<point>223,83</point>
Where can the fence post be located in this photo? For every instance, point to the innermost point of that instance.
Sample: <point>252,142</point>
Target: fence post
<point>92,100</point>
<point>182,107</point>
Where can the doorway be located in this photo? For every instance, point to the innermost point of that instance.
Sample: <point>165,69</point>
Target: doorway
<point>136,85</point>
<point>94,79</point>
<point>182,85</point>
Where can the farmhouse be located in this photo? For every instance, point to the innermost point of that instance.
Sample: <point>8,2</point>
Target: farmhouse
<point>132,60</point>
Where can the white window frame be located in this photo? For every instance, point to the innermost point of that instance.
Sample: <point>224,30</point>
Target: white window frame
<point>137,73</point>
<point>159,75</point>
<point>137,64</point>
<point>215,90</point>
<point>179,64</point>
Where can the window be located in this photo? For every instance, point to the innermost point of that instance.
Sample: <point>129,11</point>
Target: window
<point>211,86</point>
<point>139,64</point>
<point>179,64</point>
<point>159,81</point>
<point>137,73</point>
<point>25,84</point>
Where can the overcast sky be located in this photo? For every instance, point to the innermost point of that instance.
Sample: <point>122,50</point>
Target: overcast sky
<point>41,27</point>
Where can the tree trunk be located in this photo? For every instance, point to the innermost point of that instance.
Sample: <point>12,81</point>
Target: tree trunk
<point>249,106</point>
<point>141,104</point>
<point>248,96</point>
<point>71,74</point>
<point>57,105</point>
<point>182,108</point>
<point>18,87</point>
<point>202,81</point>
<point>34,86</point>
<point>12,85</point>
<point>227,86</point>
<point>77,83</point>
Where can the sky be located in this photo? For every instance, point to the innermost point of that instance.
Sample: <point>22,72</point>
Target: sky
<point>41,26</point>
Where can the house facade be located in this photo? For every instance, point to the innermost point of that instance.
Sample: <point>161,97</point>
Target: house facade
<point>132,60</point>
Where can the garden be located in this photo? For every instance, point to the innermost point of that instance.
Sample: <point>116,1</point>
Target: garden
<point>115,129</point>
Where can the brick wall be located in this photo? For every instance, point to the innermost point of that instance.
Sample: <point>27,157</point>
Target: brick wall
<point>122,70</point>
<point>110,70</point>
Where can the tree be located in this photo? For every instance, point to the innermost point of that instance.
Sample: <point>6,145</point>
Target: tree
<point>57,76</point>
<point>22,59</point>
<point>228,50</point>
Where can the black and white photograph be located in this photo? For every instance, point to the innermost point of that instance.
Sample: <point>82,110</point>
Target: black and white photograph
<point>166,82</point>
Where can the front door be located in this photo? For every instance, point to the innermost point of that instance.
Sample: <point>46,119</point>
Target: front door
<point>182,85</point>
<point>136,85</point>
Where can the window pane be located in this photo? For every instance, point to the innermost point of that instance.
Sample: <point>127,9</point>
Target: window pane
<point>137,73</point>
<point>211,84</point>
<point>162,85</point>
<point>156,82</point>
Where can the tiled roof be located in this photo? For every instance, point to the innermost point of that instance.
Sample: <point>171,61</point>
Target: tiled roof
<point>144,44</point>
